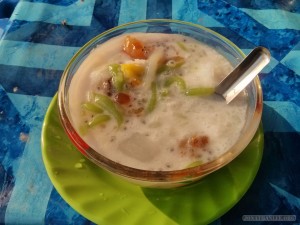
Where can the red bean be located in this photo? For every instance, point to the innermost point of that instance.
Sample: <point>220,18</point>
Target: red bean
<point>122,98</point>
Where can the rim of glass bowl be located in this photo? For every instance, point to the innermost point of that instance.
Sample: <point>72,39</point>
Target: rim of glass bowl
<point>184,175</point>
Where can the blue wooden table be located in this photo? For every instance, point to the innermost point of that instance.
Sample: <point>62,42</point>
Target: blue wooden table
<point>38,37</point>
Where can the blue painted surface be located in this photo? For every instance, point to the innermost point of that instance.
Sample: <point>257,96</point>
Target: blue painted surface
<point>275,18</point>
<point>290,6</point>
<point>3,23</point>
<point>234,37</point>
<point>281,116</point>
<point>132,12</point>
<point>30,81</point>
<point>59,212</point>
<point>281,84</point>
<point>33,55</point>
<point>54,2</point>
<point>27,83</point>
<point>54,34</point>
<point>278,41</point>
<point>104,17</point>
<point>291,60</point>
<point>7,8</point>
<point>159,9</point>
<point>79,13</point>
<point>29,189</point>
<point>12,127</point>
<point>7,182</point>
<point>187,10</point>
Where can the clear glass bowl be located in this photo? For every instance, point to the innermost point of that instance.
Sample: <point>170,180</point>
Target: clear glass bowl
<point>162,179</point>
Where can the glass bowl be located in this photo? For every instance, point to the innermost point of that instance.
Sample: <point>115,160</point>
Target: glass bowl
<point>162,179</point>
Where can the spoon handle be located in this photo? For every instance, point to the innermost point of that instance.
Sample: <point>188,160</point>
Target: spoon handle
<point>243,74</point>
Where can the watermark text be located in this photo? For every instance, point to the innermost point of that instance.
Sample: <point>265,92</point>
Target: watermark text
<point>282,218</point>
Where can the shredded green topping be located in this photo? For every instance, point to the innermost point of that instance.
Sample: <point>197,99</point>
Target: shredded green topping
<point>153,99</point>
<point>117,76</point>
<point>99,119</point>
<point>177,80</point>
<point>92,107</point>
<point>200,91</point>
<point>109,106</point>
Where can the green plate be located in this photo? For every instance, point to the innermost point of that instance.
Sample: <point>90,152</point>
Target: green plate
<point>108,200</point>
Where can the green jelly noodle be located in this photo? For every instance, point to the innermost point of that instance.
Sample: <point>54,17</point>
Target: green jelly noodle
<point>153,100</point>
<point>177,80</point>
<point>109,106</point>
<point>200,91</point>
<point>117,76</point>
<point>98,120</point>
<point>92,107</point>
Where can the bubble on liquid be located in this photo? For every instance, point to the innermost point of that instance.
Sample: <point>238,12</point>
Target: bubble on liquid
<point>78,166</point>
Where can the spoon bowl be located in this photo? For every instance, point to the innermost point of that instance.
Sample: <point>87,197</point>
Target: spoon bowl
<point>243,74</point>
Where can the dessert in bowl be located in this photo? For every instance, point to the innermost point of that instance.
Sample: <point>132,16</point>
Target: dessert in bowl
<point>138,100</point>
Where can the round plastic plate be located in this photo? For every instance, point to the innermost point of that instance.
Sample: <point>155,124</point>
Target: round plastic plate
<point>108,200</point>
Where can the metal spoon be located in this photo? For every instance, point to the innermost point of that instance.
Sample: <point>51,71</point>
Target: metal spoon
<point>243,74</point>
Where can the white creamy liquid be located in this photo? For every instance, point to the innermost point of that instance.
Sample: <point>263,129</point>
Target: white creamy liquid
<point>157,140</point>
